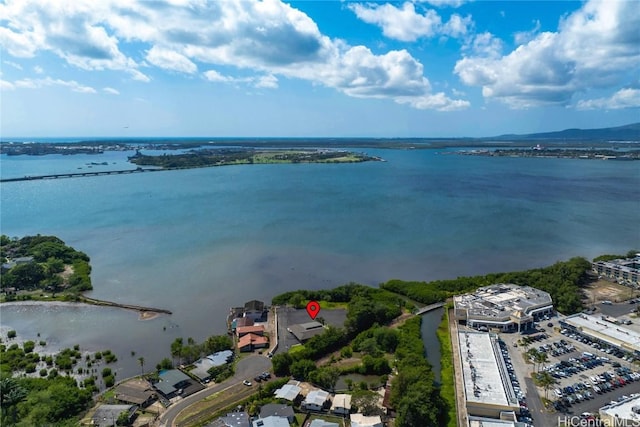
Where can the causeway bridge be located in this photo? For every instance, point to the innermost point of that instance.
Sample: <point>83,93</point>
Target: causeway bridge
<point>80,174</point>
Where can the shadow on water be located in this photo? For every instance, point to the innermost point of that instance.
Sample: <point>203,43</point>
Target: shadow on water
<point>430,322</point>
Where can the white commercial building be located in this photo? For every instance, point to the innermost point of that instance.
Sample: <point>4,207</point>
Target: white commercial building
<point>488,390</point>
<point>505,307</point>
<point>604,331</point>
<point>626,412</point>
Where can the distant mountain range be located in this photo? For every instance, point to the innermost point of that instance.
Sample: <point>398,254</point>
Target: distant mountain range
<point>629,132</point>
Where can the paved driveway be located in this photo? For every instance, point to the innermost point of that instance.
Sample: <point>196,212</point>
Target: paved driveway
<point>246,368</point>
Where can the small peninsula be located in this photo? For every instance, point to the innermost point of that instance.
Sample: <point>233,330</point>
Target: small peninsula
<point>247,156</point>
<point>44,268</point>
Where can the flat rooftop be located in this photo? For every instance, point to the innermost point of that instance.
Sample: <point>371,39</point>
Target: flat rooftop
<point>618,335</point>
<point>484,370</point>
<point>623,410</point>
<point>501,300</point>
<point>489,422</point>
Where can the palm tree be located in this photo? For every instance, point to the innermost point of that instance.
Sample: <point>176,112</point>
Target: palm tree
<point>11,393</point>
<point>541,358</point>
<point>141,362</point>
<point>546,381</point>
<point>532,354</point>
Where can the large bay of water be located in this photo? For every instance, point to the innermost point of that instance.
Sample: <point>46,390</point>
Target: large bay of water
<point>199,241</point>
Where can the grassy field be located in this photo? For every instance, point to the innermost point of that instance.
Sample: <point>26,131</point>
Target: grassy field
<point>447,388</point>
<point>208,406</point>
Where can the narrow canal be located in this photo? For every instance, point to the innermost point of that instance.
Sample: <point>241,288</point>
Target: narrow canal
<point>430,322</point>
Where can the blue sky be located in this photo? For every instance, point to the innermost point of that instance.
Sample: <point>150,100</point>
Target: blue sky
<point>445,68</point>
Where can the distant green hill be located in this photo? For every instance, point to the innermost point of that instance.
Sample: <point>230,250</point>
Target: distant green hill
<point>630,132</point>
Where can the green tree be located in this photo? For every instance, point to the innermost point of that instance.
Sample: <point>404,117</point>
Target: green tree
<point>281,363</point>
<point>176,349</point>
<point>366,402</point>
<point>164,364</point>
<point>11,393</point>
<point>300,369</point>
<point>217,343</point>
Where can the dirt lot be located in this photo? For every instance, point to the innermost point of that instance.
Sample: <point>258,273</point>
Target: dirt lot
<point>603,290</point>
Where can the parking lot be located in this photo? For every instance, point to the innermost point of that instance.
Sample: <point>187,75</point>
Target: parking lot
<point>288,316</point>
<point>588,376</point>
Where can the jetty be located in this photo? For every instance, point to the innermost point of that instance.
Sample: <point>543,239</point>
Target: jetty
<point>138,308</point>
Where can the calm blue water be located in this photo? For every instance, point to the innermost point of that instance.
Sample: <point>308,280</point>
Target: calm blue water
<point>199,241</point>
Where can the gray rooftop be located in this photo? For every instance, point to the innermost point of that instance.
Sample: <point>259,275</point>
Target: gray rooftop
<point>169,379</point>
<point>203,365</point>
<point>322,423</point>
<point>236,419</point>
<point>316,397</point>
<point>305,331</point>
<point>484,372</point>
<point>628,409</point>
<point>500,301</point>
<point>271,422</point>
<point>617,335</point>
<point>288,392</point>
<point>275,409</point>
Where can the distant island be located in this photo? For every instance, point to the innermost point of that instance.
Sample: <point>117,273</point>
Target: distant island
<point>558,153</point>
<point>244,156</point>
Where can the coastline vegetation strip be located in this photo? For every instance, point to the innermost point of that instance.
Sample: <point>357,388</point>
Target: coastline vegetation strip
<point>447,387</point>
<point>563,280</point>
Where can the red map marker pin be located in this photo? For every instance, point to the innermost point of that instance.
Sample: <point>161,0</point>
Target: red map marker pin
<point>313,308</point>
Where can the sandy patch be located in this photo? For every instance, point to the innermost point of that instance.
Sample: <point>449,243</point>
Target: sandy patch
<point>602,290</point>
<point>147,315</point>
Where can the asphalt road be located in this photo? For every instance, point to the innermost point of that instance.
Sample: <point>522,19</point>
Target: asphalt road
<point>246,369</point>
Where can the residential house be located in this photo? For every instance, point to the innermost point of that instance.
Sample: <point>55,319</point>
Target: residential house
<point>202,366</point>
<point>251,342</point>
<point>341,404</point>
<point>323,423</point>
<point>315,400</point>
<point>288,392</point>
<point>255,329</point>
<point>232,419</point>
<point>277,410</point>
<point>136,392</point>
<point>271,422</point>
<point>359,420</point>
<point>255,310</point>
<point>172,383</point>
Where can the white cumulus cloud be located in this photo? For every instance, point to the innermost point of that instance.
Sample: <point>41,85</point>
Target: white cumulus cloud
<point>263,39</point>
<point>594,47</point>
<point>110,91</point>
<point>624,98</point>
<point>48,81</point>
<point>170,60</point>
<point>406,24</point>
